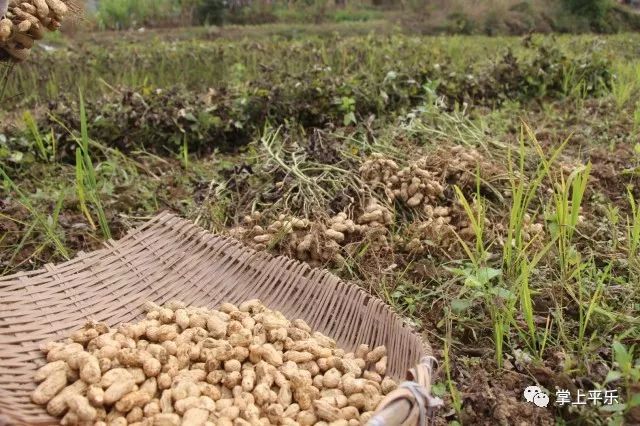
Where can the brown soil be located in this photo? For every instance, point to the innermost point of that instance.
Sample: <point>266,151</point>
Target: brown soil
<point>493,397</point>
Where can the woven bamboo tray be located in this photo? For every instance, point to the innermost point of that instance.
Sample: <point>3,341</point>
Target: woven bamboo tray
<point>170,258</point>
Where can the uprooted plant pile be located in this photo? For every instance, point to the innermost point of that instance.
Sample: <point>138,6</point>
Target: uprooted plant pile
<point>195,366</point>
<point>418,197</point>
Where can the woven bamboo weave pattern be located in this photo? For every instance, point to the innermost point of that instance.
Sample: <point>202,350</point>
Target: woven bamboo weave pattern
<point>170,258</point>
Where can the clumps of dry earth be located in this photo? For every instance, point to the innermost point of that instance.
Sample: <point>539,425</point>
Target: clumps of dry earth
<point>496,398</point>
<point>238,365</point>
<point>26,21</point>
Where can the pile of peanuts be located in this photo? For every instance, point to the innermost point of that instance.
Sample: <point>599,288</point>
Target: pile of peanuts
<point>439,231</point>
<point>312,242</point>
<point>378,169</point>
<point>375,216</point>
<point>26,21</point>
<point>459,165</point>
<point>413,185</point>
<point>303,239</point>
<point>238,365</point>
<point>424,181</point>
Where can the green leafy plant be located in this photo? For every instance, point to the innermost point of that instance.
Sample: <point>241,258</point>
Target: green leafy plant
<point>211,12</point>
<point>125,14</point>
<point>627,369</point>
<point>347,106</point>
<point>482,279</point>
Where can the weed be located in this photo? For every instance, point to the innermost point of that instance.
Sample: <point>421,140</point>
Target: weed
<point>476,216</point>
<point>523,194</point>
<point>456,400</point>
<point>482,278</point>
<point>35,133</point>
<point>86,183</point>
<point>627,369</point>
<point>5,73</point>
<point>47,225</point>
<point>633,233</point>
<point>184,153</point>
<point>625,83</point>
<point>636,118</point>
<point>613,220</point>
<point>565,215</point>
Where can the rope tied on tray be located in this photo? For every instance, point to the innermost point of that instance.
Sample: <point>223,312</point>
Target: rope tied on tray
<point>411,403</point>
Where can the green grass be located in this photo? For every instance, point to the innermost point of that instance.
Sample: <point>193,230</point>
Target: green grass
<point>48,225</point>
<point>32,127</point>
<point>132,14</point>
<point>633,234</point>
<point>625,83</point>
<point>86,182</point>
